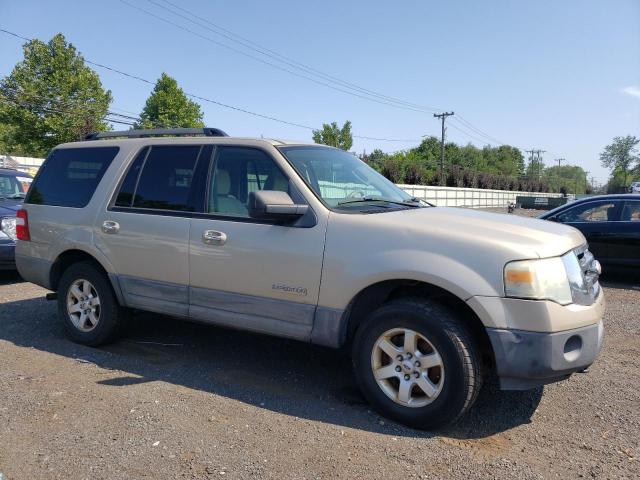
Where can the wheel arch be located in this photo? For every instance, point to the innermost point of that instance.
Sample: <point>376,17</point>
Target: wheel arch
<point>377,294</point>
<point>72,256</point>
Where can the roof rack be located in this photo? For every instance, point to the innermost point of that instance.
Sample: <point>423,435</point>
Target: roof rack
<point>158,132</point>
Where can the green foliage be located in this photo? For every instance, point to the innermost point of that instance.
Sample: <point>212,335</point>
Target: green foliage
<point>567,179</point>
<point>7,141</point>
<point>168,106</point>
<point>622,157</point>
<point>50,97</point>
<point>619,181</point>
<point>467,166</point>
<point>332,135</point>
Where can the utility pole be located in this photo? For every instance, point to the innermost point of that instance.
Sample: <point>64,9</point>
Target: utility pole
<point>442,117</point>
<point>535,156</point>
<point>586,181</point>
<point>560,160</point>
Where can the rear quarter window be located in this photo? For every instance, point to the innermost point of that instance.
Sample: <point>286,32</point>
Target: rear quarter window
<point>69,176</point>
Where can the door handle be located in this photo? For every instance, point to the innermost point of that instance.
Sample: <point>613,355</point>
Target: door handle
<point>109,226</point>
<point>213,237</point>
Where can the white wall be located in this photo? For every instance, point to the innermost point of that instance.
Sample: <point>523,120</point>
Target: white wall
<point>24,164</point>
<point>468,197</point>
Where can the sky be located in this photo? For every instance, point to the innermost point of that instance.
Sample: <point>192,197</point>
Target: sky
<point>556,75</point>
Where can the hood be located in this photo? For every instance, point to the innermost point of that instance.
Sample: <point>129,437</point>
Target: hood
<point>522,236</point>
<point>9,206</point>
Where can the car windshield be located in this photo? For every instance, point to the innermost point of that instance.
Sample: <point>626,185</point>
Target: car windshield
<point>10,187</point>
<point>345,182</point>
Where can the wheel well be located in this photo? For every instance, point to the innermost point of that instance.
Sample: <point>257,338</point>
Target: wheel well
<point>377,294</point>
<point>65,260</point>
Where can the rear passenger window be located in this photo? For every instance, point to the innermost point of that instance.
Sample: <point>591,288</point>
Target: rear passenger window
<point>69,176</point>
<point>631,212</point>
<point>165,180</point>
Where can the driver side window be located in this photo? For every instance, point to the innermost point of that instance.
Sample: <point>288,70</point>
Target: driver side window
<point>590,212</point>
<point>237,172</point>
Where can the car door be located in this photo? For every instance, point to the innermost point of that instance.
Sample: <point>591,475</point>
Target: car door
<point>593,219</point>
<point>624,236</point>
<point>252,274</point>
<point>144,231</point>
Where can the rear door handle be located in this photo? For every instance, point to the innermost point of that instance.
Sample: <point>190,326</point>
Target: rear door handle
<point>109,226</point>
<point>213,237</point>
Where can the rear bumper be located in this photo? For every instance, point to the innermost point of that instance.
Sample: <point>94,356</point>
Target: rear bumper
<point>34,270</point>
<point>7,256</point>
<point>526,359</point>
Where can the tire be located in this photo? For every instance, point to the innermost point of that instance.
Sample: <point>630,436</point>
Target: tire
<point>103,322</point>
<point>453,383</point>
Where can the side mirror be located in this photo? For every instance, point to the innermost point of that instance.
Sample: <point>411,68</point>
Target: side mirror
<point>274,205</point>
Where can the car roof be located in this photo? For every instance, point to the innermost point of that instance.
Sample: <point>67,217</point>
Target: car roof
<point>613,196</point>
<point>13,171</point>
<point>186,140</point>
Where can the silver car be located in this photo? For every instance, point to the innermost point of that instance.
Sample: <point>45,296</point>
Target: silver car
<point>308,242</point>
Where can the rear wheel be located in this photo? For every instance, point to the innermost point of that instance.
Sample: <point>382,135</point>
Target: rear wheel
<point>416,363</point>
<point>88,306</point>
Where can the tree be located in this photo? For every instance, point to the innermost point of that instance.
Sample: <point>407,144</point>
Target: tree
<point>334,136</point>
<point>168,106</point>
<point>622,156</point>
<point>571,178</point>
<point>51,97</point>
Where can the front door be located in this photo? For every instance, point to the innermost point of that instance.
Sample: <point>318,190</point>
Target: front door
<point>624,236</point>
<point>252,274</point>
<point>145,231</point>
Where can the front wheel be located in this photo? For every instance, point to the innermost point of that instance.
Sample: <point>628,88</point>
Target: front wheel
<point>416,363</point>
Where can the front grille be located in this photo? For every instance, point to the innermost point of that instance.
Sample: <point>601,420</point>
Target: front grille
<point>587,292</point>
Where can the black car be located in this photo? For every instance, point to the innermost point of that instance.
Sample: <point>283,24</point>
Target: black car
<point>13,187</point>
<point>611,224</point>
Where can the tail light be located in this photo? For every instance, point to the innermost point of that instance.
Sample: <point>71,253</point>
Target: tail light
<point>22,225</point>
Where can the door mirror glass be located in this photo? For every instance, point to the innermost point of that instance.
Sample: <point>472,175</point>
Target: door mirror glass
<point>274,205</point>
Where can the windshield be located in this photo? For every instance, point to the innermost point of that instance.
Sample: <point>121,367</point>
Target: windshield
<point>344,181</point>
<point>10,187</point>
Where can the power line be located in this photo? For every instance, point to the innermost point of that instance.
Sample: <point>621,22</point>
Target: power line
<point>231,36</point>
<point>465,122</point>
<point>273,65</point>
<point>135,77</point>
<point>409,106</point>
<point>221,104</point>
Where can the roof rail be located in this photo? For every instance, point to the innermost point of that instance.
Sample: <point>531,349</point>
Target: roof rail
<point>159,132</point>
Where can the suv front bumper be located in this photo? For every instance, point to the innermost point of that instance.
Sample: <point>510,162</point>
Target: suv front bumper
<point>526,359</point>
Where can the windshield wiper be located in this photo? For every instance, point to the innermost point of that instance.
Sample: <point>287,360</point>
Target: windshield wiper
<point>404,203</point>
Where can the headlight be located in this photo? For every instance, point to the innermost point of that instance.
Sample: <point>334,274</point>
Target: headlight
<point>542,279</point>
<point>8,227</point>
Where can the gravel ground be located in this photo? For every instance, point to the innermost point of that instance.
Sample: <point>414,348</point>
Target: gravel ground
<point>180,400</point>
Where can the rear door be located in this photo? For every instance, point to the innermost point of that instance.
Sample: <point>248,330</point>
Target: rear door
<point>144,231</point>
<point>624,236</point>
<point>593,219</point>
